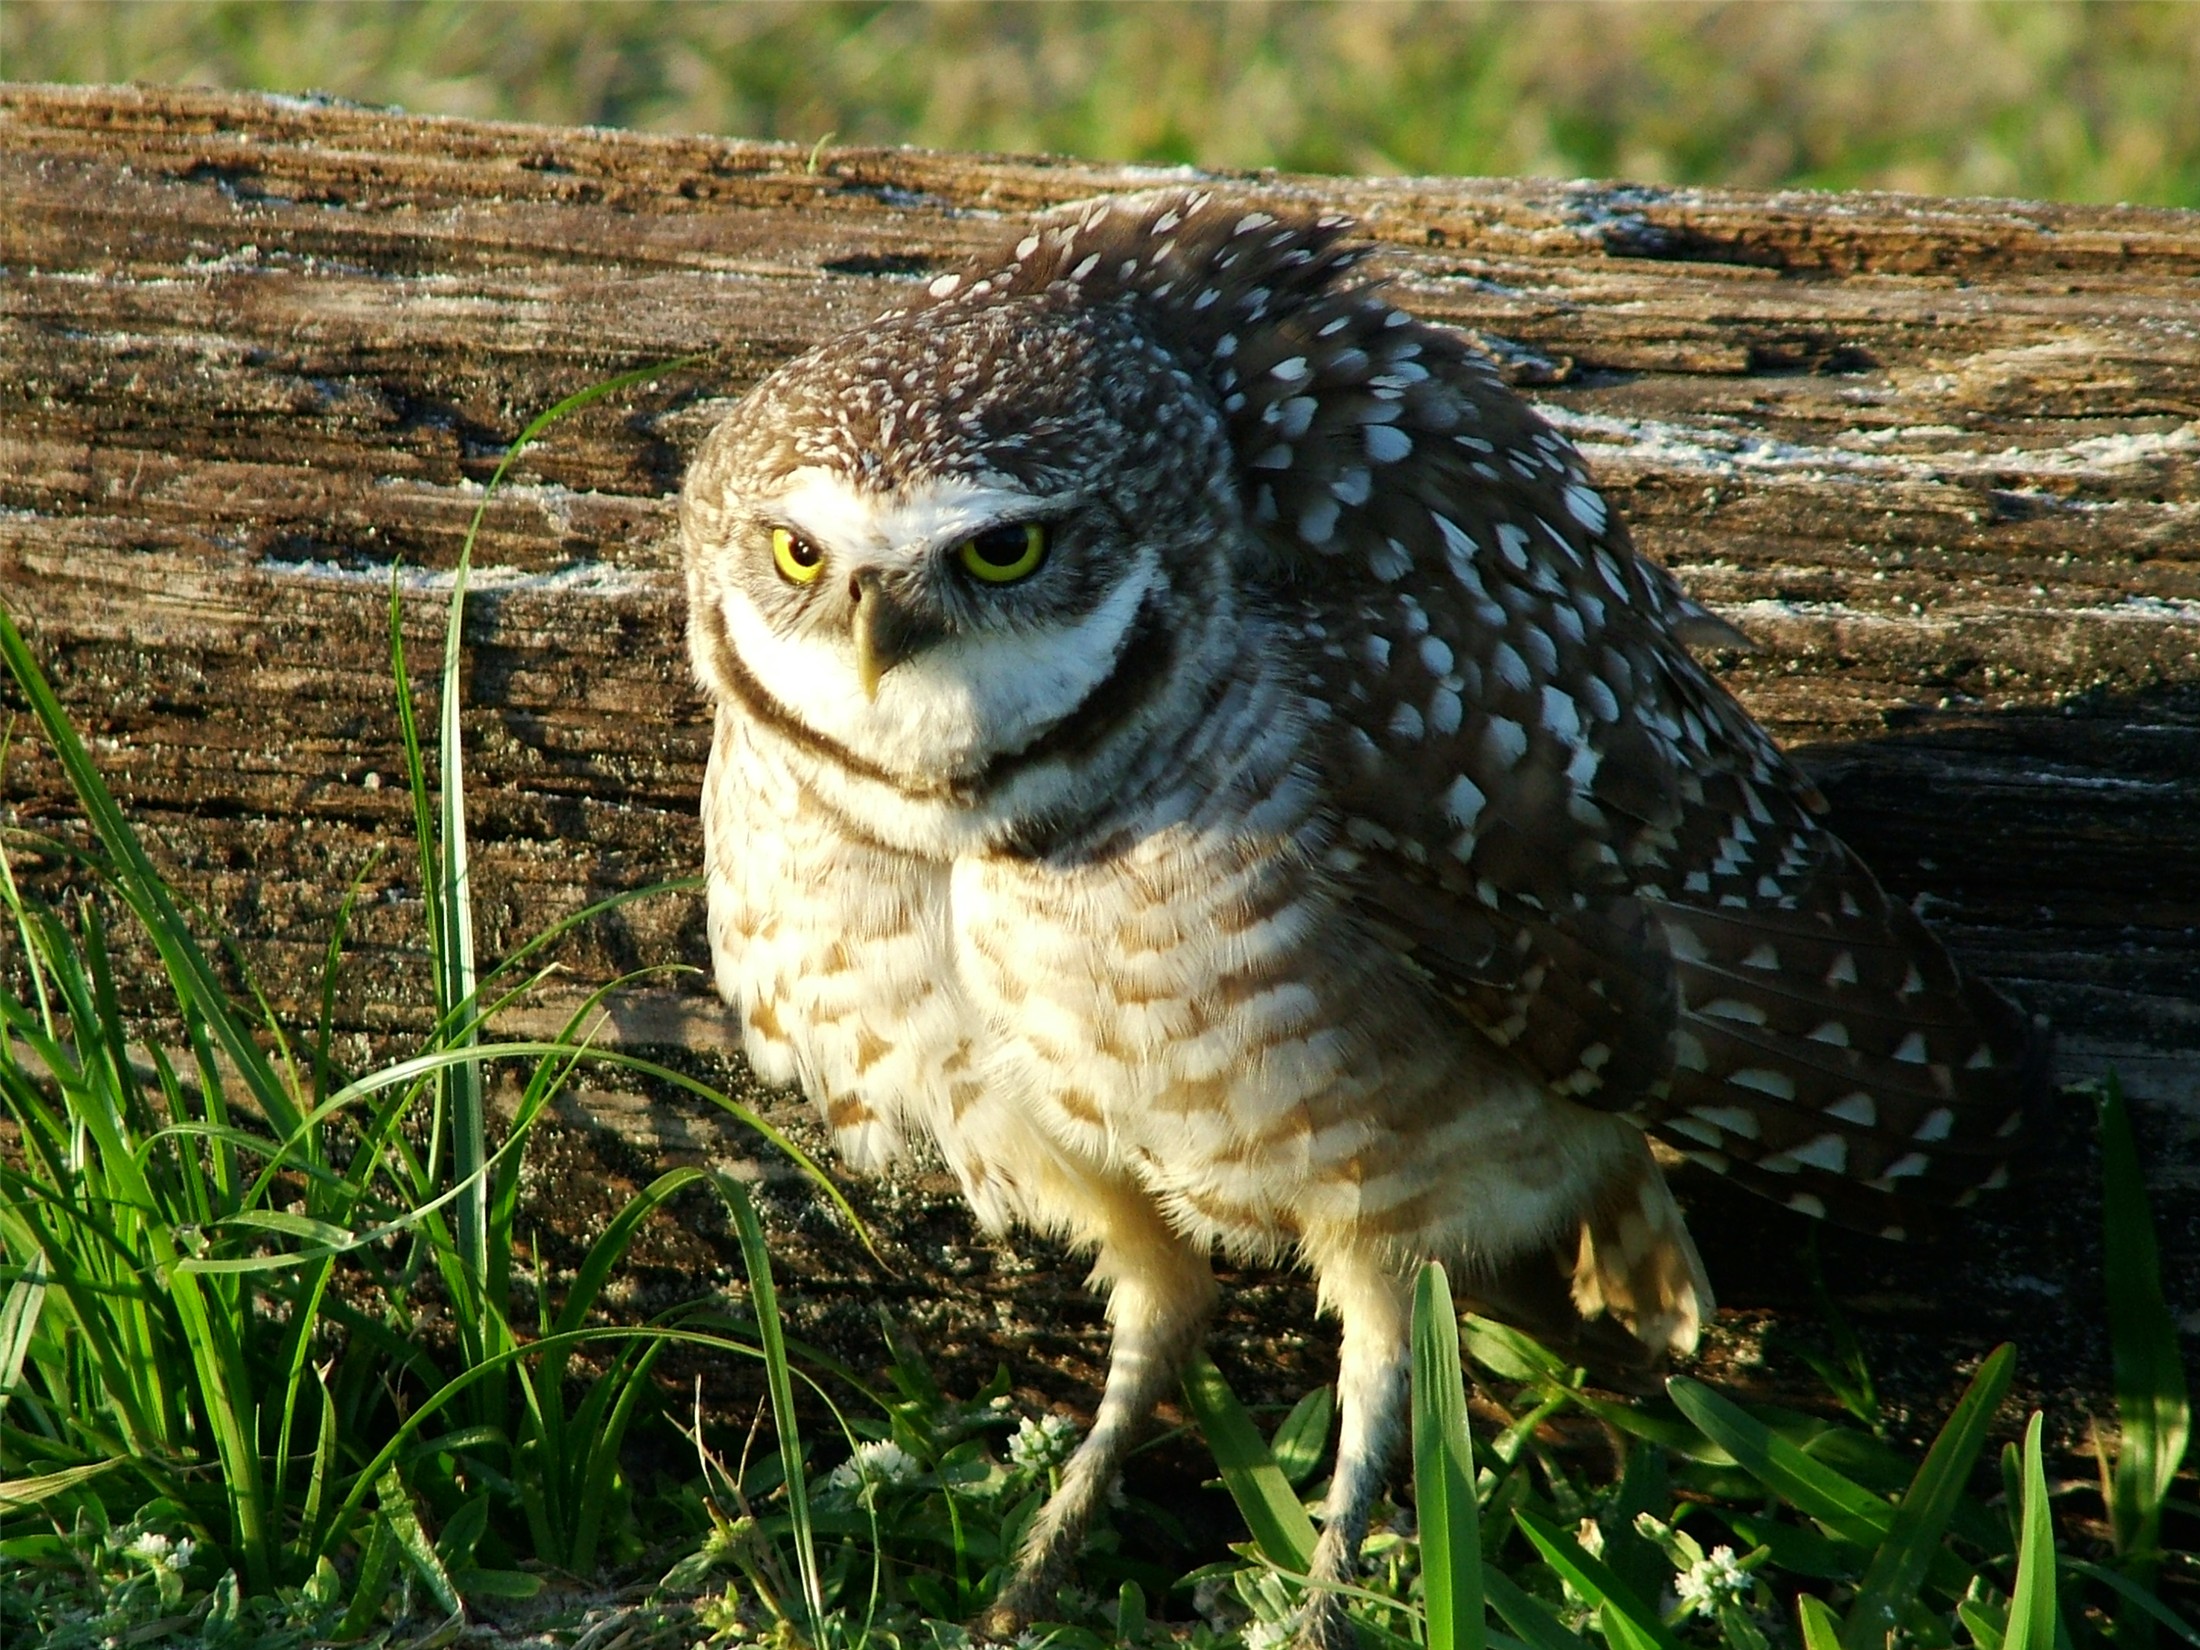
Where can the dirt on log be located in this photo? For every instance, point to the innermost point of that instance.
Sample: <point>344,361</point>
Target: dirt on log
<point>1941,459</point>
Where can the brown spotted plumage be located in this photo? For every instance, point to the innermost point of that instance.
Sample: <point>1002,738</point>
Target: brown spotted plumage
<point>1197,747</point>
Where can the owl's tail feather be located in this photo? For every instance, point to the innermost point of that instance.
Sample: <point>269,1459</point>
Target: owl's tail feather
<point>1621,1292</point>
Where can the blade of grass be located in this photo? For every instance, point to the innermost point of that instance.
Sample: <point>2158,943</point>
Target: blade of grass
<point>1845,1507</point>
<point>1302,1437</point>
<point>340,1520</point>
<point>2032,1623</point>
<point>143,888</point>
<point>325,1022</point>
<point>1536,1622</point>
<point>1443,1471</point>
<point>19,1322</point>
<point>402,1072</point>
<point>1979,1620</point>
<point>1898,1569</point>
<point>2153,1407</point>
<point>378,1561</point>
<point>23,1494</point>
<point>1821,1629</point>
<point>2141,1599</point>
<point>453,892</point>
<point>764,1302</point>
<point>1628,1623</point>
<point>629,1385</point>
<point>1130,1613</point>
<point>1264,1497</point>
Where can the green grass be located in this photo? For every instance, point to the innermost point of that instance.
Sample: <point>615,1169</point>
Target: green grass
<point>272,1372</point>
<point>219,1263</point>
<point>2088,102</point>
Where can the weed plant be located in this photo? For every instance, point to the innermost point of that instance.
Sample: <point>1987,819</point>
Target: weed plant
<point>225,1419</point>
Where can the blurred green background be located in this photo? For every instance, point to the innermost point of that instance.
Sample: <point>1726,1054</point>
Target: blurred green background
<point>2084,100</point>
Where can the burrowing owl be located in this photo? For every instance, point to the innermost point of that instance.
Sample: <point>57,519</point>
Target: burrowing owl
<point>1197,747</point>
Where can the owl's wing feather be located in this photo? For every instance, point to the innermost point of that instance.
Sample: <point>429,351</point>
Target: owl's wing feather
<point>1579,836</point>
<point>1574,834</point>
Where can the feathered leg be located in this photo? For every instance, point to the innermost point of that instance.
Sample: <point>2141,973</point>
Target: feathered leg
<point>1161,1293</point>
<point>1375,1306</point>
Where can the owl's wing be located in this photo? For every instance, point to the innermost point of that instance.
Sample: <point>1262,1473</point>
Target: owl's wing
<point>1588,847</point>
<point>1570,830</point>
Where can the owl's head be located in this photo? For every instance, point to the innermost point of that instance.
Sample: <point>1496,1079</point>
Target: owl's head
<point>934,541</point>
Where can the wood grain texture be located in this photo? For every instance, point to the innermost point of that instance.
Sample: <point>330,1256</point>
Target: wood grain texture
<point>1940,458</point>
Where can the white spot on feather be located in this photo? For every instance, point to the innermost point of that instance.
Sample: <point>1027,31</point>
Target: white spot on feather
<point>1585,507</point>
<point>1561,715</point>
<point>1733,1119</point>
<point>1459,551</point>
<point>1464,801</point>
<point>1386,443</point>
<point>1733,1008</point>
<point>1775,1083</point>
<point>1507,740</point>
<point>1829,1152</point>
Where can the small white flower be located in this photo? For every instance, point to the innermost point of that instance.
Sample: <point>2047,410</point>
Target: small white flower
<point>880,1462</point>
<point>1266,1635</point>
<point>1043,1443</point>
<point>180,1559</point>
<point>151,1546</point>
<point>1714,1580</point>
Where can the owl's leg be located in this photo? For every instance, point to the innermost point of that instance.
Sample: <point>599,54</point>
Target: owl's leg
<point>1161,1291</point>
<point>1375,1306</point>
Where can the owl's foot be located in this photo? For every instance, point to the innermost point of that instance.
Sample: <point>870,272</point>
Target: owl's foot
<point>1023,1600</point>
<point>1325,1626</point>
<point>1000,1624</point>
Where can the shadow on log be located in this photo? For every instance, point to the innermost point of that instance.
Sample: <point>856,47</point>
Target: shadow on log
<point>1940,458</point>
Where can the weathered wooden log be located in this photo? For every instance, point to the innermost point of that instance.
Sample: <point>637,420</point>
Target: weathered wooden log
<point>1941,459</point>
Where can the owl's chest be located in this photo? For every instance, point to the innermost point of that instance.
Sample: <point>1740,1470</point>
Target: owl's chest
<point>1173,957</point>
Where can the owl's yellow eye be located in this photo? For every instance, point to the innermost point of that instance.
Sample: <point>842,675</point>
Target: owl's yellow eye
<point>1002,555</point>
<point>798,560</point>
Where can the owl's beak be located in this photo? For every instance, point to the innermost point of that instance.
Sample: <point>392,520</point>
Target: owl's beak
<point>886,632</point>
